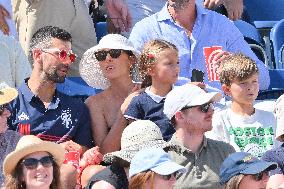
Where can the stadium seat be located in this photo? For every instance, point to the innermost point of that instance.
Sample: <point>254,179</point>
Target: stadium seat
<point>77,87</point>
<point>253,38</point>
<point>265,13</point>
<point>277,40</point>
<point>101,30</point>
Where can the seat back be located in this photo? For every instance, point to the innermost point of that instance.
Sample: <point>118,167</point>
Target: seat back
<point>253,38</point>
<point>101,30</point>
<point>277,40</point>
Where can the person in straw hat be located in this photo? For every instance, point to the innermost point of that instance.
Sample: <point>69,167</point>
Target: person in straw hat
<point>107,66</point>
<point>138,135</point>
<point>8,138</point>
<point>276,179</point>
<point>33,164</point>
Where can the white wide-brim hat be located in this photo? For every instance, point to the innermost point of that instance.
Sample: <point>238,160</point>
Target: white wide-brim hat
<point>7,94</point>
<point>29,144</point>
<point>187,95</point>
<point>89,66</point>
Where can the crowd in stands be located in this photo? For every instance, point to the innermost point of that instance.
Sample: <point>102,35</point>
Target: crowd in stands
<point>176,108</point>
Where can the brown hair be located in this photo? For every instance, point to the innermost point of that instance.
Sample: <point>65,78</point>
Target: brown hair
<point>234,182</point>
<point>148,57</point>
<point>237,67</point>
<point>138,181</point>
<point>14,181</point>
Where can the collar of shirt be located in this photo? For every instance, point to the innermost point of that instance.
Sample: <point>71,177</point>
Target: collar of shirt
<point>155,97</point>
<point>183,149</point>
<point>29,96</point>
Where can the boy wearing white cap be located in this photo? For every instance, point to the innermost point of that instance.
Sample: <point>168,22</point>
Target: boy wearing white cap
<point>190,109</point>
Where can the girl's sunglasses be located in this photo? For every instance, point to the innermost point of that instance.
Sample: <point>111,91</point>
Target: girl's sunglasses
<point>259,176</point>
<point>32,163</point>
<point>2,108</point>
<point>114,53</point>
<point>168,177</point>
<point>203,108</point>
<point>61,54</point>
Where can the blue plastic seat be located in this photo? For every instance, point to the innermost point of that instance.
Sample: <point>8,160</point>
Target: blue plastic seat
<point>101,30</point>
<point>253,38</point>
<point>77,87</point>
<point>277,40</point>
<point>265,13</point>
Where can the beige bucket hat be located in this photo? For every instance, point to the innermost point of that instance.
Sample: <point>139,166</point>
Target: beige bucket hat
<point>7,94</point>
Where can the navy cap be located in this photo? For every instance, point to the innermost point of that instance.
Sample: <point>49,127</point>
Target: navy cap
<point>243,163</point>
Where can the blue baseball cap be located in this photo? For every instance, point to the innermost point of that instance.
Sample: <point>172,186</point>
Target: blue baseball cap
<point>243,163</point>
<point>154,159</point>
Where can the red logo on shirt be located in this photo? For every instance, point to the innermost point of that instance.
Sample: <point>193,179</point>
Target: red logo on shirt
<point>24,129</point>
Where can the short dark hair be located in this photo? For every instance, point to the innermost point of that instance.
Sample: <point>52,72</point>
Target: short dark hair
<point>42,38</point>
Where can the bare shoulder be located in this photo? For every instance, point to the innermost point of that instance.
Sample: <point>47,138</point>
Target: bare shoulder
<point>96,101</point>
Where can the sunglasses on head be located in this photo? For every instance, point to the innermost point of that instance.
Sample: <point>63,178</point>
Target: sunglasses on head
<point>114,53</point>
<point>259,176</point>
<point>2,108</point>
<point>62,54</point>
<point>32,163</point>
<point>203,108</point>
<point>168,177</point>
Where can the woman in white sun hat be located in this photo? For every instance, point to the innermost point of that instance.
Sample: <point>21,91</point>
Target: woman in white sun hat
<point>108,66</point>
<point>152,168</point>
<point>33,164</point>
<point>8,138</point>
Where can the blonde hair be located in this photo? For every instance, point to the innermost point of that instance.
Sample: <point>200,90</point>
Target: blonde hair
<point>138,181</point>
<point>237,67</point>
<point>234,182</point>
<point>148,57</point>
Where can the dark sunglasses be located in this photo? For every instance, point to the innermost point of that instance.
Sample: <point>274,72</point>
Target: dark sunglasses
<point>168,177</point>
<point>32,163</point>
<point>62,54</point>
<point>2,108</point>
<point>259,176</point>
<point>114,53</point>
<point>203,108</point>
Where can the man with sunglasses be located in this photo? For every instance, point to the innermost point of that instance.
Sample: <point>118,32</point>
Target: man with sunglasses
<point>190,110</point>
<point>43,111</point>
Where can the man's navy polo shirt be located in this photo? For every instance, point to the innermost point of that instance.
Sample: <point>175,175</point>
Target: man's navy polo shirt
<point>148,106</point>
<point>66,118</point>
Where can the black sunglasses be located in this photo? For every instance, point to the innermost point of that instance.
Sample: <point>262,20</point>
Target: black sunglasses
<point>203,108</point>
<point>168,177</point>
<point>114,53</point>
<point>2,108</point>
<point>32,163</point>
<point>259,176</point>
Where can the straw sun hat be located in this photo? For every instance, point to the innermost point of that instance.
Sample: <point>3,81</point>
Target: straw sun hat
<point>7,94</point>
<point>29,144</point>
<point>89,66</point>
<point>138,135</point>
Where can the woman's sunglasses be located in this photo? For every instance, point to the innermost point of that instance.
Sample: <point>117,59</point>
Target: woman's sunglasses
<point>2,108</point>
<point>168,177</point>
<point>203,108</point>
<point>32,163</point>
<point>114,53</point>
<point>61,54</point>
<point>259,176</point>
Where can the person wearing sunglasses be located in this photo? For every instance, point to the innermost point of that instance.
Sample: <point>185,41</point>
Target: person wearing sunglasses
<point>8,138</point>
<point>42,110</point>
<point>241,170</point>
<point>33,164</point>
<point>152,168</point>
<point>108,66</point>
<point>190,110</point>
